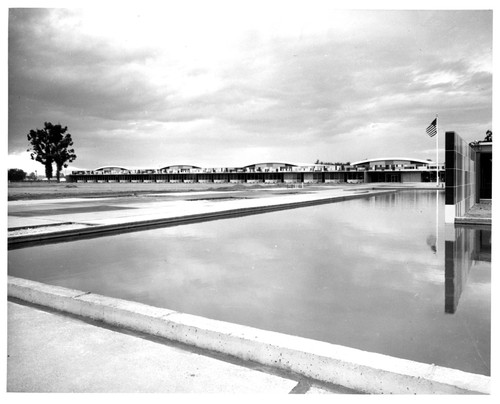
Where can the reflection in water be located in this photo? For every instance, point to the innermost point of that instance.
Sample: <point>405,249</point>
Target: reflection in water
<point>432,242</point>
<point>464,247</point>
<point>361,273</point>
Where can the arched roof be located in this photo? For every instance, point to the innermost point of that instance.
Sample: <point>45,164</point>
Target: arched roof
<point>409,160</point>
<point>179,166</point>
<point>111,168</point>
<point>271,163</point>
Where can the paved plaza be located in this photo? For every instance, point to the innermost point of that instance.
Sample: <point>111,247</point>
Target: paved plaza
<point>52,352</point>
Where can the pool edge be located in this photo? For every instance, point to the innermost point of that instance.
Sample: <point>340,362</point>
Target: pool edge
<point>92,230</point>
<point>352,368</point>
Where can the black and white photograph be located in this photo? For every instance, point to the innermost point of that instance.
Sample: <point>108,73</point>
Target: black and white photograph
<point>249,197</point>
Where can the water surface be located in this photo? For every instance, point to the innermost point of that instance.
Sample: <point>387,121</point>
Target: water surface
<point>367,273</point>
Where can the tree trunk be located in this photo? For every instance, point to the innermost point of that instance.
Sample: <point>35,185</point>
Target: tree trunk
<point>59,168</point>
<point>48,170</point>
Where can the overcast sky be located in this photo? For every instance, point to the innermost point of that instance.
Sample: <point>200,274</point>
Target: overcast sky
<point>222,85</point>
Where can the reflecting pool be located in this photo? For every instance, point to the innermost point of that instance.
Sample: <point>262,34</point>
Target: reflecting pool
<point>382,274</point>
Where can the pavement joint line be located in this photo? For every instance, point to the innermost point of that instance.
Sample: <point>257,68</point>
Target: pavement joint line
<point>351,368</point>
<point>82,294</point>
<point>302,387</point>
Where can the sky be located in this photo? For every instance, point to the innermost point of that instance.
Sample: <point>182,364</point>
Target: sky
<point>218,84</point>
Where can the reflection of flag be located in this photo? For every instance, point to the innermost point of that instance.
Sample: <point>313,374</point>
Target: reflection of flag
<point>432,128</point>
<point>431,242</point>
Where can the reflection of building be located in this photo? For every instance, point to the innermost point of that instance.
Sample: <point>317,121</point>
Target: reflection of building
<point>463,246</point>
<point>468,175</point>
<point>373,170</point>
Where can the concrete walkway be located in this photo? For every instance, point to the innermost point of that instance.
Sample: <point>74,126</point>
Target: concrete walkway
<point>40,343</point>
<point>51,352</point>
<point>43,219</point>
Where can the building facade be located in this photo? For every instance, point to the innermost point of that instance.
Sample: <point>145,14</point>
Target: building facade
<point>468,174</point>
<point>366,171</point>
<point>400,169</point>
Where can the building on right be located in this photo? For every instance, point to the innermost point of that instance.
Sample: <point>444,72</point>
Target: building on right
<point>468,174</point>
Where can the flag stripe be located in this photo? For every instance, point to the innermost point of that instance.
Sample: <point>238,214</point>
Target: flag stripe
<point>432,129</point>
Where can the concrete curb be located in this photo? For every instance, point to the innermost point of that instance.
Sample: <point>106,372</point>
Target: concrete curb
<point>174,221</point>
<point>352,368</point>
<point>474,220</point>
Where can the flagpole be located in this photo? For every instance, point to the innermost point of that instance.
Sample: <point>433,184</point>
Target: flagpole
<point>437,151</point>
<point>437,184</point>
<point>437,221</point>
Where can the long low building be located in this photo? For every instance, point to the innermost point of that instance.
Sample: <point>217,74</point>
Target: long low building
<point>400,169</point>
<point>371,170</point>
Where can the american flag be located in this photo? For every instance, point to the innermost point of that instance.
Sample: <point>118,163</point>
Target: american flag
<point>432,128</point>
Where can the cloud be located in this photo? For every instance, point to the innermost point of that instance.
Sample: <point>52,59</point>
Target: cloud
<point>293,85</point>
